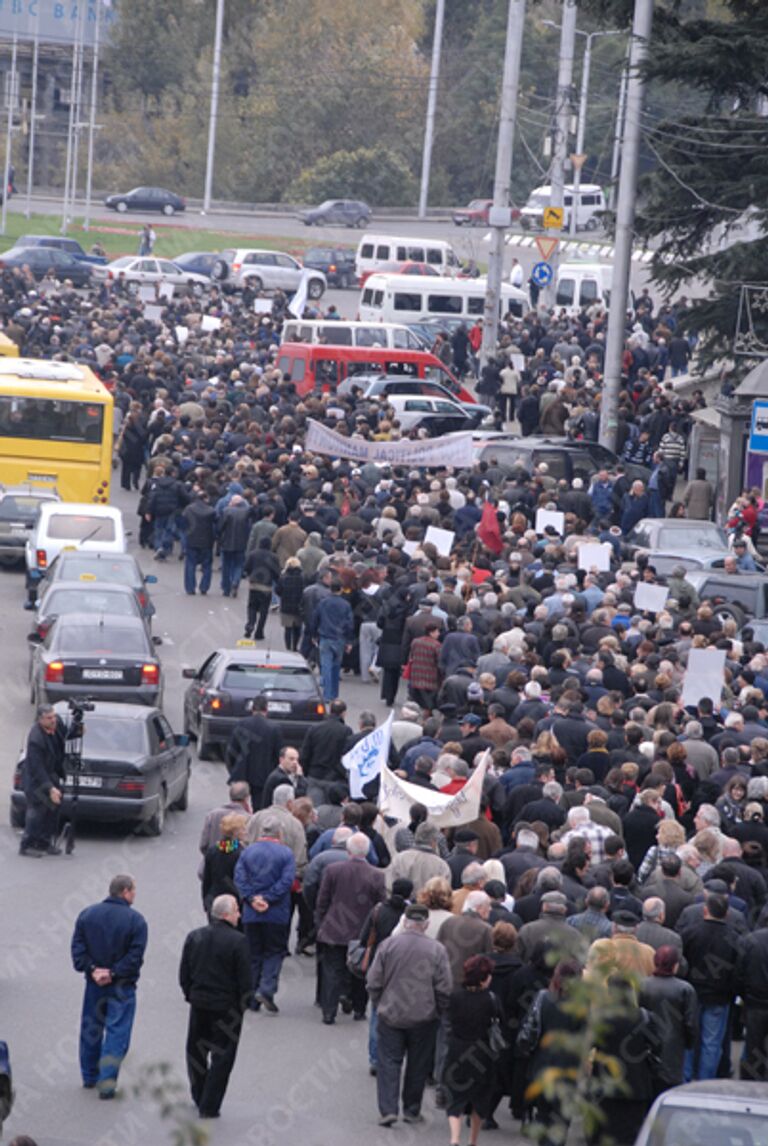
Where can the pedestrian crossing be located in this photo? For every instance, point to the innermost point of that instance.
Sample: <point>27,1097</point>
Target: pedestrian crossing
<point>581,248</point>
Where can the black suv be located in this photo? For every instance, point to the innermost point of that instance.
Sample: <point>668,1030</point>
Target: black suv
<point>564,458</point>
<point>336,263</point>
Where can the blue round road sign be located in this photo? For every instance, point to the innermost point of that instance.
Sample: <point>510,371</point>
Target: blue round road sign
<point>542,274</point>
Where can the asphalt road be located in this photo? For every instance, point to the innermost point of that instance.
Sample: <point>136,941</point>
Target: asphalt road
<point>295,1080</point>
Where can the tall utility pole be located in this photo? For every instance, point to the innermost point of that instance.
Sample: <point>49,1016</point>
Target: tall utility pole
<point>500,214</point>
<point>92,120</point>
<point>32,120</point>
<point>76,50</point>
<point>563,113</point>
<point>429,130</point>
<point>11,94</point>
<point>625,220</point>
<point>214,105</point>
<point>619,132</point>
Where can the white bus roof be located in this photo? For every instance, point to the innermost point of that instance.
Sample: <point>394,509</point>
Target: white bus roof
<point>584,188</point>
<point>42,370</point>
<point>411,240</point>
<point>436,283</point>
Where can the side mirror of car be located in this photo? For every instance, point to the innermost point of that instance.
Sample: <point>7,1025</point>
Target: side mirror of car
<point>157,641</point>
<point>181,740</point>
<point>189,673</point>
<point>34,638</point>
<point>150,579</point>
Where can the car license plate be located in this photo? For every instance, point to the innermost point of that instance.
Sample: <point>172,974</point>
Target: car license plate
<point>86,781</point>
<point>102,674</point>
<point>19,531</point>
<point>278,706</point>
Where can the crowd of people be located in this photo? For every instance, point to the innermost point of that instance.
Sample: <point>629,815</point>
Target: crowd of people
<point>597,932</point>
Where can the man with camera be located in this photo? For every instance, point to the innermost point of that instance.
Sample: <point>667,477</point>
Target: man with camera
<point>43,777</point>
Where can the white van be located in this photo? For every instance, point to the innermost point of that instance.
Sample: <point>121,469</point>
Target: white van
<point>388,253</point>
<point>67,525</point>
<point>591,203</point>
<point>580,285</point>
<point>390,335</point>
<point>414,298</point>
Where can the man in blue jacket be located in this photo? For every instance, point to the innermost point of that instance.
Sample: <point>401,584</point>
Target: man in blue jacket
<point>108,947</point>
<point>264,877</point>
<point>333,630</point>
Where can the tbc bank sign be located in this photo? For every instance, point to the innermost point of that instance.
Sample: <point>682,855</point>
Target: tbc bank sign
<point>56,21</point>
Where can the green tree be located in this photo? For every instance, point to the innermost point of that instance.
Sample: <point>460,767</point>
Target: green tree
<point>372,173</point>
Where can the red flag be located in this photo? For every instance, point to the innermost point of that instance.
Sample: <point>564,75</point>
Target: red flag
<point>488,530</point>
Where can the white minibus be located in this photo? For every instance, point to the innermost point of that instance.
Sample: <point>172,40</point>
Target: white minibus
<point>386,334</point>
<point>414,298</point>
<point>388,253</point>
<point>591,203</point>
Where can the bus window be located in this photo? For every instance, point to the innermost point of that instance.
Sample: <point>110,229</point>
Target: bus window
<point>378,298</point>
<point>368,297</point>
<point>366,251</point>
<point>476,305</point>
<point>382,252</point>
<point>434,256</point>
<point>403,301</point>
<point>566,290</point>
<point>298,369</point>
<point>371,336</point>
<point>336,334</point>
<point>403,340</point>
<point>444,303</point>
<point>588,292</point>
<point>326,372</point>
<point>49,420</point>
<point>416,254</point>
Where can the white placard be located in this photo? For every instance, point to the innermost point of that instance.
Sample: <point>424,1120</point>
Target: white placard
<point>442,539</point>
<point>518,362</point>
<point>262,305</point>
<point>210,322</point>
<point>704,676</point>
<point>650,598</point>
<point>410,547</point>
<point>595,555</point>
<point>153,313</point>
<point>166,290</point>
<point>182,334</point>
<point>553,517</point>
<point>147,293</point>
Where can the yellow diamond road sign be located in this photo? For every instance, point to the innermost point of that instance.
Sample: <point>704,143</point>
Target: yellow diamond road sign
<point>553,218</point>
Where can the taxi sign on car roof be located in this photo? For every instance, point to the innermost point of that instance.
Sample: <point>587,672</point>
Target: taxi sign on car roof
<point>245,643</point>
<point>87,576</point>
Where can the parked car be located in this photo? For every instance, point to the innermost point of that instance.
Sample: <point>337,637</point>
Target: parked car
<point>719,1112</point>
<point>565,459</point>
<point>336,263</point>
<point>19,507</point>
<point>42,260</point>
<point>741,596</point>
<point>95,655</point>
<point>110,568</point>
<point>348,212</point>
<point>223,687</point>
<point>133,769</point>
<point>265,270</point>
<point>61,243</point>
<point>197,262</point>
<point>475,214</point>
<point>72,525</point>
<point>146,199</point>
<point>669,542</point>
<point>382,385</point>
<point>64,597</point>
<point>420,269</point>
<point>141,270</point>
<point>437,416</point>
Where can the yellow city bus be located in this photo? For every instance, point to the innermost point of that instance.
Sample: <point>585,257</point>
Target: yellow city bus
<point>55,428</point>
<point>8,348</point>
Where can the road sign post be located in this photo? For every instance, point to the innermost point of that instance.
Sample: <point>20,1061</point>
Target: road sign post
<point>542,275</point>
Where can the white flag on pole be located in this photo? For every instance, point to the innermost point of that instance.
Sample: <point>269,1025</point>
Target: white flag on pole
<point>366,760</point>
<point>299,300</point>
<point>396,797</point>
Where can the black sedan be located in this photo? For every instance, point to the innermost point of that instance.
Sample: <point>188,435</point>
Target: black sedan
<point>44,260</point>
<point>133,769</point>
<point>336,263</point>
<point>87,566</point>
<point>87,654</point>
<point>198,262</point>
<point>146,199</point>
<point>224,685</point>
<point>63,597</point>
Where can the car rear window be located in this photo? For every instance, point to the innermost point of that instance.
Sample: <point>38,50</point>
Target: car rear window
<point>703,538</point>
<point>262,678</point>
<point>90,600</point>
<point>78,638</point>
<point>15,508</point>
<point>688,1126</point>
<point>105,734</point>
<point>78,527</point>
<point>73,568</point>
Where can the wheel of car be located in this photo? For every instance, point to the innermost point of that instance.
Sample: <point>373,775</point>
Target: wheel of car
<point>361,221</point>
<point>169,209</point>
<point>154,826</point>
<point>254,282</point>
<point>121,206</point>
<point>17,817</point>
<point>315,288</point>
<point>182,803</point>
<point>197,289</point>
<point>132,287</point>
<point>220,270</point>
<point>592,223</point>
<point>726,612</point>
<point>205,750</point>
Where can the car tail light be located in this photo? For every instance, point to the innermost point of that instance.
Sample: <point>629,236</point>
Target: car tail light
<point>110,274</point>
<point>142,599</point>
<point>54,672</point>
<point>332,267</point>
<point>43,628</point>
<point>236,266</point>
<point>132,787</point>
<point>17,779</point>
<point>320,709</point>
<point>217,702</point>
<point>150,674</point>
<point>42,558</point>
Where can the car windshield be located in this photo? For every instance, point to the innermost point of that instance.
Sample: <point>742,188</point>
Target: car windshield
<point>124,261</point>
<point>319,254</point>
<point>326,204</point>
<point>104,734</point>
<point>704,538</point>
<point>100,640</point>
<point>18,508</point>
<point>686,1126</point>
<point>75,568</point>
<point>78,527</point>
<point>89,600</point>
<point>268,678</point>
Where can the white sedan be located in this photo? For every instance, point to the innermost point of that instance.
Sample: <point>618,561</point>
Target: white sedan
<point>145,270</point>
